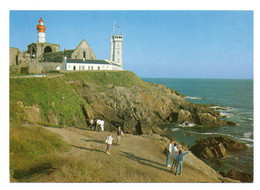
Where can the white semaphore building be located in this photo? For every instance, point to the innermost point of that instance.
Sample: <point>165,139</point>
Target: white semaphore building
<point>115,62</point>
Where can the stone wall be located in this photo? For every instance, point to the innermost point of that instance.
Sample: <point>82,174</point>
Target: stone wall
<point>13,53</point>
<point>35,68</point>
<point>83,50</point>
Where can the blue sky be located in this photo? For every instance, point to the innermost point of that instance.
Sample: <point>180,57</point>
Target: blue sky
<point>171,44</point>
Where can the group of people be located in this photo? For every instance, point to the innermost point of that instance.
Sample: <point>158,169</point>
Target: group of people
<point>177,154</point>
<point>97,124</point>
<point>173,149</point>
<point>109,139</point>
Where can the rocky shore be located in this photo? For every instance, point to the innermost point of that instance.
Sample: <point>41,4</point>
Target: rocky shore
<point>118,98</point>
<point>141,107</point>
<point>216,147</point>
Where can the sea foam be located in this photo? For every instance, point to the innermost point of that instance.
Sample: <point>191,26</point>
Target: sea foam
<point>193,98</point>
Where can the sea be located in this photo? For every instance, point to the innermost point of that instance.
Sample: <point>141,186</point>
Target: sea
<point>234,99</point>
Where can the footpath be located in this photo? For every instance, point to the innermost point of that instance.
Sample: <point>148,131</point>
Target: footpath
<point>137,151</point>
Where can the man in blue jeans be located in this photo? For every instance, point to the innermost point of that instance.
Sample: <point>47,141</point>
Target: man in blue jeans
<point>180,159</point>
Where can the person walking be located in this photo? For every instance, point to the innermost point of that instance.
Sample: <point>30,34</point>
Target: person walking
<point>169,153</point>
<point>180,159</point>
<point>174,155</point>
<point>119,134</point>
<point>108,141</point>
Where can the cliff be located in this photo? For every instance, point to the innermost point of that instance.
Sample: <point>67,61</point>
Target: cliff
<point>119,98</point>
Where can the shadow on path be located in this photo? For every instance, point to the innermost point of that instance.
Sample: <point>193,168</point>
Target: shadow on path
<point>145,161</point>
<point>83,148</point>
<point>97,141</point>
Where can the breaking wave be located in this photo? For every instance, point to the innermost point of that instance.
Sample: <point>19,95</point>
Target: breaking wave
<point>175,129</point>
<point>193,98</point>
<point>186,124</point>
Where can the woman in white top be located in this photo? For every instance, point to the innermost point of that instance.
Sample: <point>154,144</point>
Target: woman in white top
<point>169,153</point>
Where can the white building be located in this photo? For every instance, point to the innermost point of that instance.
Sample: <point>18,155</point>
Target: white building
<point>89,65</point>
<point>115,62</point>
<point>116,53</point>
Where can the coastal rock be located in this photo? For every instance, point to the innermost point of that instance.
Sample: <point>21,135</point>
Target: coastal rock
<point>141,107</point>
<point>183,115</point>
<point>216,147</point>
<point>207,119</point>
<point>31,114</point>
<point>241,176</point>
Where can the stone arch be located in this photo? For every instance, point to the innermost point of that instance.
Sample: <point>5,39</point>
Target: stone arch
<point>47,49</point>
<point>33,53</point>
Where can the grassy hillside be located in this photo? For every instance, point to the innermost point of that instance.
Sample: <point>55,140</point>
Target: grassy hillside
<point>39,155</point>
<point>53,96</point>
<point>102,78</point>
<point>31,149</point>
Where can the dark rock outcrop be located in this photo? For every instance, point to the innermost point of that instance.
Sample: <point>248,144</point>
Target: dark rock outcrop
<point>216,147</point>
<point>241,176</point>
<point>140,108</point>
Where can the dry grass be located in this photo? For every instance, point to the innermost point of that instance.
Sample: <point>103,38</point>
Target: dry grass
<point>28,149</point>
<point>137,159</point>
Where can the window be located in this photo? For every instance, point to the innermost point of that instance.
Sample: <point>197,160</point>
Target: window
<point>84,55</point>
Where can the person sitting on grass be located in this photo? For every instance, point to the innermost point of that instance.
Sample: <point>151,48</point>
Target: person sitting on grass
<point>108,141</point>
<point>180,159</point>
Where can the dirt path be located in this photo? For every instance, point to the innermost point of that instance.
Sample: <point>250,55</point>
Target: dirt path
<point>139,150</point>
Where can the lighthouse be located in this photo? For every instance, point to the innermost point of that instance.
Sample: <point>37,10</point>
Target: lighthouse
<point>41,31</point>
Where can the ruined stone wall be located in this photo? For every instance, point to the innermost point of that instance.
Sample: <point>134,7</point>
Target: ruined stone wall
<point>83,50</point>
<point>13,53</point>
<point>35,68</point>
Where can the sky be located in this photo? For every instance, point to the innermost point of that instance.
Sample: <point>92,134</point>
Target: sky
<point>156,44</point>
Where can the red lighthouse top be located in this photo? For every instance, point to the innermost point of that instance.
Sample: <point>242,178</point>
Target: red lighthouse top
<point>40,19</point>
<point>40,26</point>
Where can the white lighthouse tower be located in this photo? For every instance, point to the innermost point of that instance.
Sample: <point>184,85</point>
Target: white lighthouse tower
<point>41,31</point>
<point>116,53</point>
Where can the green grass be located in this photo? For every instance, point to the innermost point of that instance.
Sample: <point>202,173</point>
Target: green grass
<point>102,78</point>
<point>48,94</point>
<point>29,147</point>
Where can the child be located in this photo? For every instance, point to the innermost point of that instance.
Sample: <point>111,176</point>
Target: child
<point>169,153</point>
<point>180,158</point>
<point>174,155</point>
<point>108,141</point>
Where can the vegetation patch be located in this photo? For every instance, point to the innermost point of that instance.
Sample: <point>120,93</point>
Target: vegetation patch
<point>29,147</point>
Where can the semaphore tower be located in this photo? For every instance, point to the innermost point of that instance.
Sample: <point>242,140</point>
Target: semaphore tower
<point>116,53</point>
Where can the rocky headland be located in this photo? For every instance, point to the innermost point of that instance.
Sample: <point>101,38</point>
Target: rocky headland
<point>141,107</point>
<point>119,98</point>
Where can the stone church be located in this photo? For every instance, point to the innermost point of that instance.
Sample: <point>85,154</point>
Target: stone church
<point>48,55</point>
